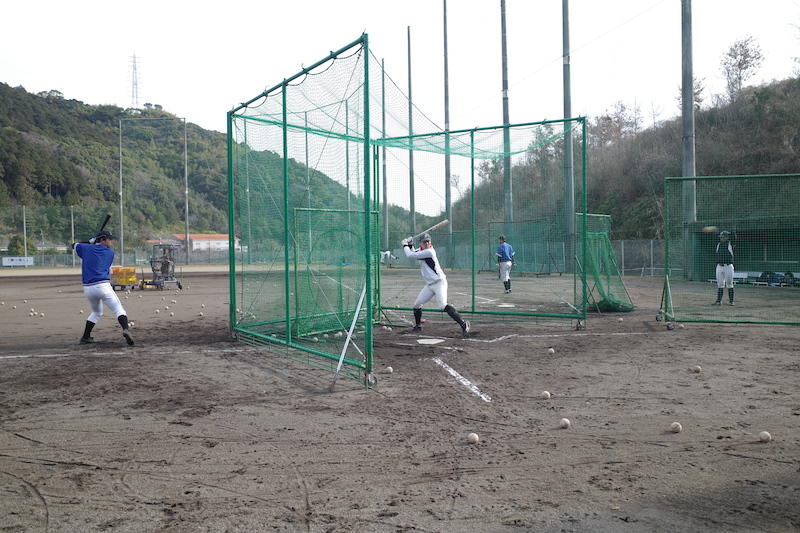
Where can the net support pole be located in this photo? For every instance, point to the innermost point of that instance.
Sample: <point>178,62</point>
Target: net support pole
<point>386,245</point>
<point>412,209</point>
<point>72,231</point>
<point>186,191</point>
<point>369,255</point>
<point>569,177</point>
<point>231,230</point>
<point>447,194</point>
<point>121,225</point>
<point>286,287</point>
<point>472,212</point>
<point>508,202</point>
<point>687,112</point>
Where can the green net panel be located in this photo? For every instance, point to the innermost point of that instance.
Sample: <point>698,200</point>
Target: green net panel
<point>331,168</point>
<point>760,215</point>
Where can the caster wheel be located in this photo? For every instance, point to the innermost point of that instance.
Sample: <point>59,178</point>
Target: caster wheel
<point>658,318</point>
<point>670,325</point>
<point>580,325</point>
<point>180,286</point>
<point>372,380</point>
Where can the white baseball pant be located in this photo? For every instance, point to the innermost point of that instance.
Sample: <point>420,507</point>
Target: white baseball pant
<point>724,276</point>
<point>436,290</point>
<point>505,270</point>
<point>99,293</point>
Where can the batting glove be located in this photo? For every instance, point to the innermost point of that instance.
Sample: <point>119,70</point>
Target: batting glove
<point>406,242</point>
<point>92,240</point>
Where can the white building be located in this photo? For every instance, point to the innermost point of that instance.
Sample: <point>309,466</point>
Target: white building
<point>215,242</point>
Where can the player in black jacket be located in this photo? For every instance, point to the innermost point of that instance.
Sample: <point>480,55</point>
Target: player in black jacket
<point>723,254</point>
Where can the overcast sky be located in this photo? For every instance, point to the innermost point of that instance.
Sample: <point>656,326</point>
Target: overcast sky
<point>198,59</point>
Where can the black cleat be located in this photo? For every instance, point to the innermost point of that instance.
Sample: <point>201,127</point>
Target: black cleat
<point>717,303</point>
<point>87,340</point>
<point>416,327</point>
<point>731,303</point>
<point>465,327</point>
<point>128,338</point>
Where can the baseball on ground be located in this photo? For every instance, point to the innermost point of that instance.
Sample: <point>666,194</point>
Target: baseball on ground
<point>172,314</point>
<point>201,313</point>
<point>551,351</point>
<point>389,370</point>
<point>676,427</point>
<point>697,369</point>
<point>619,319</point>
<point>764,436</point>
<point>564,423</point>
<point>157,310</point>
<point>545,395</point>
<point>81,311</point>
<point>473,438</point>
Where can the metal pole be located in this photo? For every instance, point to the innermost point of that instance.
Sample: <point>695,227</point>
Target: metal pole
<point>622,255</point>
<point>121,224</point>
<point>569,177</point>
<point>687,113</point>
<point>386,245</point>
<point>412,208</point>
<point>507,185</point>
<point>652,267</point>
<point>24,233</point>
<point>447,197</point>
<point>308,184</point>
<point>186,188</point>
<point>72,231</point>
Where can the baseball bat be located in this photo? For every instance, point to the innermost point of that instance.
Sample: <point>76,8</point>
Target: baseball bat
<point>434,227</point>
<point>105,221</point>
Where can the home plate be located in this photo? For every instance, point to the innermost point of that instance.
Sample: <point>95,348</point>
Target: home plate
<point>430,341</point>
<point>506,305</point>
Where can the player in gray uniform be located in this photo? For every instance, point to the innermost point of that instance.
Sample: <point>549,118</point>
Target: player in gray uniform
<point>723,254</point>
<point>435,282</point>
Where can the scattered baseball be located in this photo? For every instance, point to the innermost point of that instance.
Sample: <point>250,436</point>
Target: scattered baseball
<point>166,308</point>
<point>764,436</point>
<point>551,351</point>
<point>59,290</point>
<point>163,298</point>
<point>126,297</point>
<point>619,319</point>
<point>13,307</point>
<point>473,438</point>
<point>389,370</point>
<point>697,369</point>
<point>81,311</point>
<point>172,314</point>
<point>36,313</point>
<point>140,296</point>
<point>201,313</point>
<point>24,301</point>
<point>681,326</point>
<point>158,310</point>
<point>337,335</point>
<point>388,328</point>
<point>203,306</point>
<point>315,339</point>
<point>238,310</point>
<point>30,314</point>
<point>545,395</point>
<point>2,303</point>
<point>676,427</point>
<point>32,309</point>
<point>132,324</point>
<point>564,423</point>
<point>174,301</point>
<point>41,315</point>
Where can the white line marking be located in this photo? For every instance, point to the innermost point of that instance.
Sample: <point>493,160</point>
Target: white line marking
<point>464,381</point>
<point>171,352</point>
<point>490,300</point>
<point>506,337</point>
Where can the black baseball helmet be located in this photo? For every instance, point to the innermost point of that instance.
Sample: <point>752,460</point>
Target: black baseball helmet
<point>724,233</point>
<point>425,238</point>
<point>502,238</point>
<point>104,235</point>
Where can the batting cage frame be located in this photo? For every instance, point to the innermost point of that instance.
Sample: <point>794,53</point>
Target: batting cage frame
<point>322,169</point>
<point>732,249</point>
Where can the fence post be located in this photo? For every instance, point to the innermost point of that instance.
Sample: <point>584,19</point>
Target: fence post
<point>72,232</point>
<point>652,268</point>
<point>622,255</point>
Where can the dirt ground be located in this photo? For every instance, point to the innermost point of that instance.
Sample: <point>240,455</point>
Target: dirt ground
<point>190,431</point>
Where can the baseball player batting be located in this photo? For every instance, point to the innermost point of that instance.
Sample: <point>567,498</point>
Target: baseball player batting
<point>505,258</point>
<point>435,282</point>
<point>724,256</point>
<point>96,255</point>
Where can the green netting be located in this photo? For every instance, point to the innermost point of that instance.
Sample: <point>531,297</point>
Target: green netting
<point>606,289</point>
<point>761,215</point>
<point>335,165</point>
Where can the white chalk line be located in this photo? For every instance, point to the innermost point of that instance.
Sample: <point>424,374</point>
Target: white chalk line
<point>464,381</point>
<point>513,335</point>
<point>490,300</point>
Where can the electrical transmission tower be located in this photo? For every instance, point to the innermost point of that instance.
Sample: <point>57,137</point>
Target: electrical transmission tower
<point>134,84</point>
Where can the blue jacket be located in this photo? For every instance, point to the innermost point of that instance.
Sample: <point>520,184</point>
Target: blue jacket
<point>505,252</point>
<point>96,262</point>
